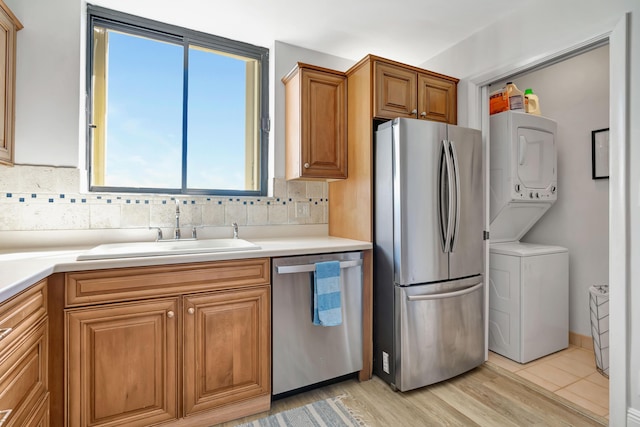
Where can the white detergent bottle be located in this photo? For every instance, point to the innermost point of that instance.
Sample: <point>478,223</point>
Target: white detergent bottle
<point>516,97</point>
<point>531,102</point>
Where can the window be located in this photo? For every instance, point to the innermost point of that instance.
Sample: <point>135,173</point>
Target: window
<point>171,110</point>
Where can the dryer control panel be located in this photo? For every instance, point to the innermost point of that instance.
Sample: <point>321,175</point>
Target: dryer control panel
<point>520,192</point>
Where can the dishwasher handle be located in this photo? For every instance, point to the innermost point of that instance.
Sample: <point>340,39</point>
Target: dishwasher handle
<point>309,268</point>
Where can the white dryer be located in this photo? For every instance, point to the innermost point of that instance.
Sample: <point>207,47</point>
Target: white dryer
<point>523,175</point>
<point>528,284</point>
<point>528,300</point>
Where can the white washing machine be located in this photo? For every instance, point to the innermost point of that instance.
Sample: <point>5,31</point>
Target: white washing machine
<point>528,284</point>
<point>528,300</point>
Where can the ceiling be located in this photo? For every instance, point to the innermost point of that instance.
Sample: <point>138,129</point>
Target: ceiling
<point>409,31</point>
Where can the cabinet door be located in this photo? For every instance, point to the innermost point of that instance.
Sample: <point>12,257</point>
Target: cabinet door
<point>394,91</point>
<point>122,364</point>
<point>227,348</point>
<point>40,417</point>
<point>24,377</point>
<point>8,27</point>
<point>437,99</point>
<point>324,129</point>
<point>21,313</point>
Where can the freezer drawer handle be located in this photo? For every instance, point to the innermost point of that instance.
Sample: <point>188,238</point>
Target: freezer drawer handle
<point>444,294</point>
<point>308,268</point>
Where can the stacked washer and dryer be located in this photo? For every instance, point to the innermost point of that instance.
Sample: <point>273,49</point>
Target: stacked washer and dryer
<point>528,283</point>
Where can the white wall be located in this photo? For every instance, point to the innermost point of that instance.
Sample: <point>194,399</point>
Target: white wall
<point>48,81</point>
<point>543,28</point>
<point>575,93</point>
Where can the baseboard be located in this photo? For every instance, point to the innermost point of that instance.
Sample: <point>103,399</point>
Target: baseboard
<point>633,418</point>
<point>583,341</point>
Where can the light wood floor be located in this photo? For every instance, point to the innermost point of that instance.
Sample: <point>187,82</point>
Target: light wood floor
<point>486,396</point>
<point>569,373</point>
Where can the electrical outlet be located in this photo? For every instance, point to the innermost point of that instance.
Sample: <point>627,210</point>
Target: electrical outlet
<point>302,210</point>
<point>385,362</point>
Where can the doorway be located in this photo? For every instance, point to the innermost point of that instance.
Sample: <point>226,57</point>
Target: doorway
<point>574,91</point>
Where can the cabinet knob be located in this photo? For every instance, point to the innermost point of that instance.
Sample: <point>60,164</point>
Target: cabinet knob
<point>170,314</point>
<point>414,111</point>
<point>191,310</point>
<point>423,114</point>
<point>306,165</point>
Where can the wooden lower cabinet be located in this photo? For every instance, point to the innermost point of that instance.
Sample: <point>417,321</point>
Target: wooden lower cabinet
<point>227,350</point>
<point>122,364</point>
<point>23,377</point>
<point>192,355</point>
<point>24,346</point>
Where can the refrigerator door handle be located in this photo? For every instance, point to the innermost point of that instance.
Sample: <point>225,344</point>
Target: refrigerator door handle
<point>456,169</point>
<point>446,216</point>
<point>444,294</point>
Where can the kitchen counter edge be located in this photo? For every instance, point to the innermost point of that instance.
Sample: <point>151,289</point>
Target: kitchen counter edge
<point>19,271</point>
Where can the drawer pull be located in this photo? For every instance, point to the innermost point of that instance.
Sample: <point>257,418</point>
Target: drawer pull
<point>191,310</point>
<point>170,314</point>
<point>3,333</point>
<point>4,415</point>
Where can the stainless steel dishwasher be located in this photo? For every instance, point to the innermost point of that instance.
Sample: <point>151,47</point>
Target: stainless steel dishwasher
<point>304,353</point>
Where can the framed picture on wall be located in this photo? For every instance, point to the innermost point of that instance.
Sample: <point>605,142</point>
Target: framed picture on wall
<point>600,153</point>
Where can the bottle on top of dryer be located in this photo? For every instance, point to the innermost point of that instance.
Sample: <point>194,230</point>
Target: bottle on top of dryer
<point>516,97</point>
<point>531,102</point>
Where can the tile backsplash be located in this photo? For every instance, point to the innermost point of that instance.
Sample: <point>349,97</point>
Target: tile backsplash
<point>48,198</point>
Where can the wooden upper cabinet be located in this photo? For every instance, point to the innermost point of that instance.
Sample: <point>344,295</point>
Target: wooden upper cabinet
<point>9,25</point>
<point>404,91</point>
<point>437,99</point>
<point>315,123</point>
<point>395,91</point>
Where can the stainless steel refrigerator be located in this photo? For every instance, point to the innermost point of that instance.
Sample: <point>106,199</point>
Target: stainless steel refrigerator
<point>429,299</point>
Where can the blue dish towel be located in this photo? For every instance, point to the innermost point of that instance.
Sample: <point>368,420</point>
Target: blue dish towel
<point>327,308</point>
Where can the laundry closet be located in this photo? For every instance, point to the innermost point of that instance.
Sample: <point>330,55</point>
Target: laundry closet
<point>574,94</point>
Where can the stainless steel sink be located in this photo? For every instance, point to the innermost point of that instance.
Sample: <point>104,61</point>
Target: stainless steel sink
<point>166,247</point>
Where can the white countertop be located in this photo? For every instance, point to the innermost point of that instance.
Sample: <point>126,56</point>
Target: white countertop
<point>19,270</point>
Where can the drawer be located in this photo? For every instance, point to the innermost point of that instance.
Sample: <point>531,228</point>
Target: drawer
<point>99,286</point>
<point>40,417</point>
<point>23,377</point>
<point>21,312</point>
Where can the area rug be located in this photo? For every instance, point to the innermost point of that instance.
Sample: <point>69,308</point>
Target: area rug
<point>330,412</point>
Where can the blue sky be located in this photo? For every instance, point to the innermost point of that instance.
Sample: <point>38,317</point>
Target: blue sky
<point>144,127</point>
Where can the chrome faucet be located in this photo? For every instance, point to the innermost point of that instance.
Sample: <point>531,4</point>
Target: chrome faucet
<point>176,232</point>
<point>158,231</point>
<point>235,229</point>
